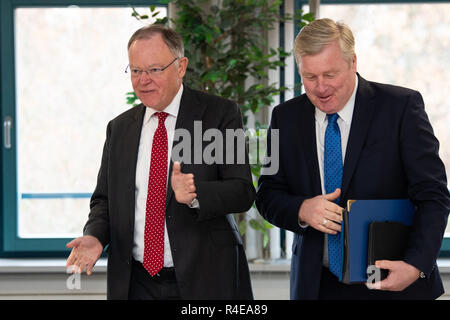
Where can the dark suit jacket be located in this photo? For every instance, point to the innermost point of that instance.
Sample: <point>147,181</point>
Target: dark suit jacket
<point>207,250</point>
<point>391,153</point>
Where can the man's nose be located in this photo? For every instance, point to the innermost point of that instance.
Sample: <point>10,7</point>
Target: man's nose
<point>145,77</point>
<point>321,85</point>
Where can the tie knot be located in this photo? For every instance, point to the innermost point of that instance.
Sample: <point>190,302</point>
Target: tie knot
<point>332,118</point>
<point>162,116</point>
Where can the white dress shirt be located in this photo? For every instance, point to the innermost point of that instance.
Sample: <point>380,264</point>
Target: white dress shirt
<point>149,125</point>
<point>344,122</point>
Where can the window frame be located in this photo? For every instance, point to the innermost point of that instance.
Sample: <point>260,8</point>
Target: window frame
<point>11,245</point>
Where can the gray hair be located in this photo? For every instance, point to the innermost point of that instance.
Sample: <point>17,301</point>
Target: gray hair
<point>171,37</point>
<point>319,33</point>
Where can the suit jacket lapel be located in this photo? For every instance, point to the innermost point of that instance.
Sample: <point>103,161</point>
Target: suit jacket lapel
<point>362,116</point>
<point>130,154</point>
<point>191,109</point>
<point>307,127</point>
<point>133,135</point>
<point>312,249</point>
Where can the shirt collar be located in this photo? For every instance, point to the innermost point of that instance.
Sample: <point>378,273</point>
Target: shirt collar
<point>171,109</point>
<point>346,113</point>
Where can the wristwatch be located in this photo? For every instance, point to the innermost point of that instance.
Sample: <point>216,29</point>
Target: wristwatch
<point>194,204</point>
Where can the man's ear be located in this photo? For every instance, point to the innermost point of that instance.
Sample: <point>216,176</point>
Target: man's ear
<point>354,62</point>
<point>182,66</point>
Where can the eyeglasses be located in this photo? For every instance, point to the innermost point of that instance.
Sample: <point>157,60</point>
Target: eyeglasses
<point>136,72</point>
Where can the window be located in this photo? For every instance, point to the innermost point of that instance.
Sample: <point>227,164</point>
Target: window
<point>65,69</point>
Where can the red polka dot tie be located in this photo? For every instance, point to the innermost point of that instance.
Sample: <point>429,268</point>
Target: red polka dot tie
<point>156,200</point>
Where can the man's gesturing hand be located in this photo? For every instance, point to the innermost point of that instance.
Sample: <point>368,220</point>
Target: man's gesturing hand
<point>85,252</point>
<point>182,184</point>
<point>321,213</point>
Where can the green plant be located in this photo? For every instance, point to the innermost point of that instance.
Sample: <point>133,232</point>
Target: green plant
<point>226,44</point>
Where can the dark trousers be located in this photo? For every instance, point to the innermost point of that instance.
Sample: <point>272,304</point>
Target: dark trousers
<point>143,286</point>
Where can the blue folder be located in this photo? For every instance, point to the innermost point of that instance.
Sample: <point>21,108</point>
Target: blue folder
<point>357,218</point>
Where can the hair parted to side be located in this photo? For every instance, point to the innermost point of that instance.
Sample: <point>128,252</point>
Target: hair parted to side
<point>319,33</point>
<point>171,37</point>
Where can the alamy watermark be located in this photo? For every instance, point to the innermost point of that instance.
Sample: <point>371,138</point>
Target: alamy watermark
<point>373,276</point>
<point>73,282</point>
<point>229,146</point>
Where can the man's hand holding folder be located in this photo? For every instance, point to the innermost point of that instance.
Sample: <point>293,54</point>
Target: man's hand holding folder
<point>401,275</point>
<point>322,213</point>
<point>377,233</point>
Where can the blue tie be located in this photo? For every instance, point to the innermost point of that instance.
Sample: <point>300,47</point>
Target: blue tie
<point>333,179</point>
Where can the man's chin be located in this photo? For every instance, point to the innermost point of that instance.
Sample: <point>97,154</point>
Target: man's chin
<point>327,108</point>
<point>147,101</point>
<point>153,105</point>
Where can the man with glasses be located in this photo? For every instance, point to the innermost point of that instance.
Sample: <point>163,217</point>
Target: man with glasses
<point>168,228</point>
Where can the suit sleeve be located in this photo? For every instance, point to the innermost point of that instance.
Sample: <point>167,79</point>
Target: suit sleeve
<point>98,220</point>
<point>273,199</point>
<point>233,191</point>
<point>427,185</point>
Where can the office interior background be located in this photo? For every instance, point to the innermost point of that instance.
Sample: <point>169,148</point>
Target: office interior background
<point>62,80</point>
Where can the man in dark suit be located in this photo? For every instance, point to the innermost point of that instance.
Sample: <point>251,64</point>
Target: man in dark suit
<point>387,150</point>
<point>167,238</point>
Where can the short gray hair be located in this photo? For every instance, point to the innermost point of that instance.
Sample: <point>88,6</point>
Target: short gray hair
<point>319,33</point>
<point>171,37</point>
